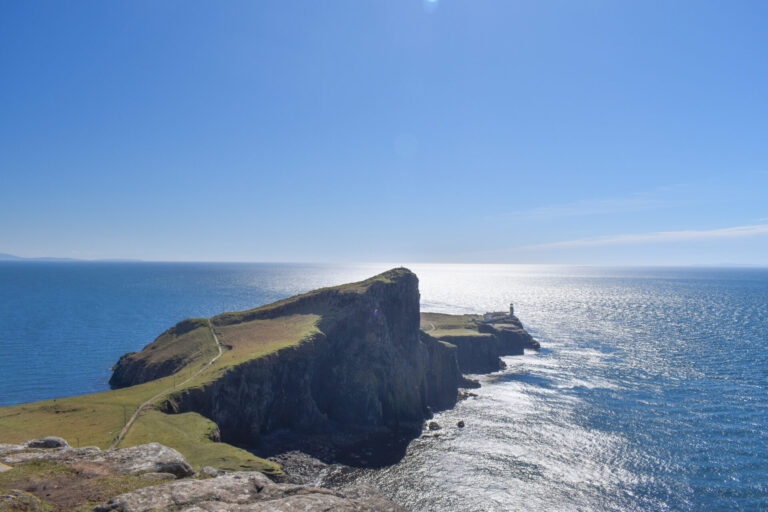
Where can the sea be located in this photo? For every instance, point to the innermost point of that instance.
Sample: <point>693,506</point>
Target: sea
<point>649,392</point>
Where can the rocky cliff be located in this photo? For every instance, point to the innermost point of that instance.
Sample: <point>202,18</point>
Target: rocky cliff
<point>367,370</point>
<point>362,368</point>
<point>480,343</point>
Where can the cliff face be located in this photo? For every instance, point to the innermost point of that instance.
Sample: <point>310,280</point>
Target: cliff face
<point>477,354</point>
<point>512,337</point>
<point>338,367</point>
<point>480,343</point>
<point>368,369</point>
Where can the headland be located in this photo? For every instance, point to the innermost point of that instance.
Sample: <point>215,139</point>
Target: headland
<point>345,374</point>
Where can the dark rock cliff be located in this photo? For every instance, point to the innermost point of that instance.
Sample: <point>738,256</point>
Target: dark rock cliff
<point>369,370</point>
<point>364,381</point>
<point>477,354</point>
<point>512,337</point>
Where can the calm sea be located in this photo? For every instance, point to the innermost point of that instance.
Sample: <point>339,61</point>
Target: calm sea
<point>649,393</point>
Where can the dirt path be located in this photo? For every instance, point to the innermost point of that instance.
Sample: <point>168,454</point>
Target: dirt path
<point>431,327</point>
<point>152,400</point>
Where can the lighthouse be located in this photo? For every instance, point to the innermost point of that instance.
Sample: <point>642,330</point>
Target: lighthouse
<point>511,309</point>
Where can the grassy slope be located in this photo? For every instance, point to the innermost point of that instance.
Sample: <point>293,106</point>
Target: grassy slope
<point>447,334</point>
<point>359,287</point>
<point>188,433</point>
<point>442,321</point>
<point>444,327</point>
<point>188,347</point>
<point>97,418</point>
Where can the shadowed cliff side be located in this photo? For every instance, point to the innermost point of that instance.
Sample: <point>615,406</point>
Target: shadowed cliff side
<point>342,373</point>
<point>366,370</point>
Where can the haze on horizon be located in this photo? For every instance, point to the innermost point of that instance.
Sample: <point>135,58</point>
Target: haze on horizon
<point>409,130</point>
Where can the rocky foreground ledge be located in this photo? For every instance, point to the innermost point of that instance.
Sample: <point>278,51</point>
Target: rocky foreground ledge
<point>341,377</point>
<point>154,477</point>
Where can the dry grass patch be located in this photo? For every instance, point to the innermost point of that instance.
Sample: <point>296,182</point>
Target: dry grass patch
<point>257,338</point>
<point>442,321</point>
<point>53,486</point>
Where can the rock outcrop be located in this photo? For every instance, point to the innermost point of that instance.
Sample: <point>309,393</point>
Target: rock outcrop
<point>477,354</point>
<point>152,465</point>
<point>240,492</point>
<point>146,458</point>
<point>511,336</point>
<point>480,343</point>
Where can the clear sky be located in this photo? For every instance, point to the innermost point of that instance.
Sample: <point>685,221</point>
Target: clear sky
<point>597,132</point>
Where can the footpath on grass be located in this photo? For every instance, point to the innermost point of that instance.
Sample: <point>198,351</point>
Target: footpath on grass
<point>152,400</point>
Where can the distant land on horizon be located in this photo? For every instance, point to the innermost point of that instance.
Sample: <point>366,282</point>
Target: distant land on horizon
<point>12,257</point>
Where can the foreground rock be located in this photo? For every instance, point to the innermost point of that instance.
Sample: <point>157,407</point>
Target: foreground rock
<point>154,464</point>
<point>146,458</point>
<point>245,491</point>
<point>47,442</point>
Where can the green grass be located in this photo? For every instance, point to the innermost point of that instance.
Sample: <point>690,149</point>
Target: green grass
<point>188,433</point>
<point>34,469</point>
<point>94,419</point>
<point>246,341</point>
<point>16,500</point>
<point>54,478</point>
<point>187,342</point>
<point>265,311</point>
<point>442,321</point>
<point>446,327</point>
<point>447,334</point>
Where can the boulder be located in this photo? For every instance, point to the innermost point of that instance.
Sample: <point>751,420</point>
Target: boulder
<point>146,458</point>
<point>47,442</point>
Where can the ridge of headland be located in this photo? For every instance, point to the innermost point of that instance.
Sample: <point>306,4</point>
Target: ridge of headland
<point>345,374</point>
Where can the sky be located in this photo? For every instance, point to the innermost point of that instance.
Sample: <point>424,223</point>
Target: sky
<point>478,131</point>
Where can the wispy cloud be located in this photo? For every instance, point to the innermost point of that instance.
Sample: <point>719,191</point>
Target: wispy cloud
<point>590,207</point>
<point>657,237</point>
<point>660,197</point>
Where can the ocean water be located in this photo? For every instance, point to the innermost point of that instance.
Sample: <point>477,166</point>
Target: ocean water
<point>649,392</point>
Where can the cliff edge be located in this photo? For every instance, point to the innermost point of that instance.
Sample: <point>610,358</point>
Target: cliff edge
<point>350,362</point>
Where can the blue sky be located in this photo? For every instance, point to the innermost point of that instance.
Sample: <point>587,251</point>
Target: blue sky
<point>593,132</point>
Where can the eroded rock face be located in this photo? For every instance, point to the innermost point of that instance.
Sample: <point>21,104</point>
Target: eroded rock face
<point>369,369</point>
<point>477,354</point>
<point>511,335</point>
<point>242,491</point>
<point>146,458</point>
